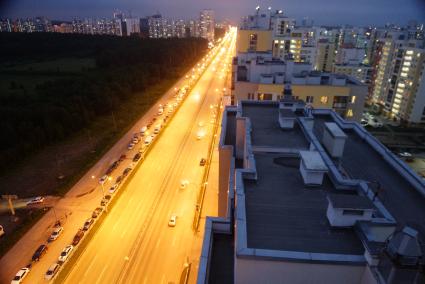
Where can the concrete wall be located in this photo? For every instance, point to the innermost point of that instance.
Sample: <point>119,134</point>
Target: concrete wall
<point>266,271</point>
<point>226,161</point>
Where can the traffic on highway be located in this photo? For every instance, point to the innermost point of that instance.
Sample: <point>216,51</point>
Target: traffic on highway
<point>140,231</point>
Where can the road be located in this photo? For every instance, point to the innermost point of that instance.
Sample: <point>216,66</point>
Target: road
<point>135,243</point>
<point>140,215</point>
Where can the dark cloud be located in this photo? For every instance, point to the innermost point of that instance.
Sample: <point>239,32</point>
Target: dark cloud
<point>359,12</point>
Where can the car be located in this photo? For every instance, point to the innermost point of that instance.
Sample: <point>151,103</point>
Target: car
<point>183,184</point>
<point>160,111</point>
<point>118,180</point>
<point>77,237</point>
<point>143,130</point>
<point>87,224</point>
<point>130,146</point>
<point>408,157</point>
<point>36,200</point>
<point>148,140</point>
<point>137,157</point>
<point>113,188</point>
<point>172,221</point>
<point>375,123</point>
<point>135,141</point>
<point>122,158</point>
<point>141,150</point>
<point>364,122</point>
<point>55,234</point>
<point>103,179</point>
<point>51,272</point>
<point>105,200</point>
<point>96,212</point>
<point>39,253</point>
<point>157,129</point>
<point>65,253</point>
<point>126,171</point>
<point>149,124</point>
<point>1,231</point>
<point>19,277</point>
<point>202,162</point>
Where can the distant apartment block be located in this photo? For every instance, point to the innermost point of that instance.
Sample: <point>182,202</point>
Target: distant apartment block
<point>399,82</point>
<point>207,24</point>
<point>308,197</point>
<point>273,55</point>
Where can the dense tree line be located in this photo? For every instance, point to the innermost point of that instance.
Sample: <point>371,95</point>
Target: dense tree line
<point>57,108</point>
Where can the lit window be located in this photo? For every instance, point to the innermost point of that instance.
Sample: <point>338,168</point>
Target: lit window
<point>408,58</point>
<point>405,69</point>
<point>407,64</point>
<point>403,74</point>
<point>353,99</point>
<point>409,52</point>
<point>324,100</point>
<point>350,113</point>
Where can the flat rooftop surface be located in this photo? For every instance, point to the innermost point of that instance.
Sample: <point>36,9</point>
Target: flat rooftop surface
<point>361,161</point>
<point>283,214</point>
<point>266,130</point>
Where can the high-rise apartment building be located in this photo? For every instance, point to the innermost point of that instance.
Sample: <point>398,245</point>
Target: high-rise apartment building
<point>207,24</point>
<point>399,84</point>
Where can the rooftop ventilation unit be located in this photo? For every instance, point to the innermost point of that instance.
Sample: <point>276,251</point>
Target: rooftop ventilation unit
<point>344,210</point>
<point>288,109</point>
<point>334,139</point>
<point>312,168</point>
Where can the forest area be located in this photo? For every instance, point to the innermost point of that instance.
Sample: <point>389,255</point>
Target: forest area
<point>53,86</point>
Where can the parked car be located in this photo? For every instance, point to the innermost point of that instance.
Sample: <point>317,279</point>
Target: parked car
<point>105,200</point>
<point>130,146</point>
<point>143,130</point>
<point>408,157</point>
<point>113,188</point>
<point>51,272</point>
<point>65,253</point>
<point>103,179</point>
<point>77,237</point>
<point>118,180</point>
<point>125,172</point>
<point>172,221</point>
<point>36,200</point>
<point>183,184</point>
<point>202,162</point>
<point>55,234</point>
<point>137,157</point>
<point>375,123</point>
<point>96,212</point>
<point>364,122</point>
<point>135,141</point>
<point>19,277</point>
<point>122,158</point>
<point>39,253</point>
<point>87,224</point>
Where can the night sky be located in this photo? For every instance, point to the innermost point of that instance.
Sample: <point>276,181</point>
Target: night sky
<point>325,12</point>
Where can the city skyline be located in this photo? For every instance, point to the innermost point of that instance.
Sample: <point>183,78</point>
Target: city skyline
<point>378,12</point>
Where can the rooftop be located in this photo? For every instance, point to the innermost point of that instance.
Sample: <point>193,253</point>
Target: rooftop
<point>284,214</point>
<point>266,130</point>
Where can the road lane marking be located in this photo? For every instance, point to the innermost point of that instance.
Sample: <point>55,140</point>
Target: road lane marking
<point>145,281</point>
<point>123,233</point>
<point>91,263</point>
<point>174,241</point>
<point>101,274</point>
<point>163,279</point>
<point>131,199</point>
<point>115,225</point>
<point>157,243</point>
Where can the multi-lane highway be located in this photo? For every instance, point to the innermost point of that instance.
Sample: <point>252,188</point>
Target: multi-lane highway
<point>135,244</point>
